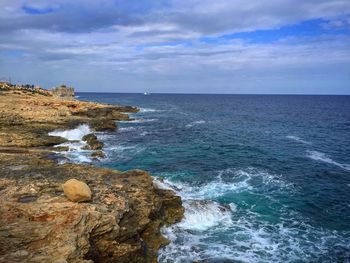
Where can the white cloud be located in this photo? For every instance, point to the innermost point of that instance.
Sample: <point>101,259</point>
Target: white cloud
<point>161,45</point>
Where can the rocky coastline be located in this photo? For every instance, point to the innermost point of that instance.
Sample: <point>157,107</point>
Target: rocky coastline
<point>38,223</point>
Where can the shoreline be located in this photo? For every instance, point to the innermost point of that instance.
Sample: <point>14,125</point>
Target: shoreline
<point>38,223</point>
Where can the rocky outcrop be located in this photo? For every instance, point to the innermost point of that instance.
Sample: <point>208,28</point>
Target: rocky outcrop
<point>120,224</point>
<point>92,142</point>
<point>26,118</point>
<point>98,154</point>
<point>121,220</point>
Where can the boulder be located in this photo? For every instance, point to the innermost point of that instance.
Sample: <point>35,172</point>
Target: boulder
<point>89,138</point>
<point>98,154</point>
<point>93,143</point>
<point>76,191</point>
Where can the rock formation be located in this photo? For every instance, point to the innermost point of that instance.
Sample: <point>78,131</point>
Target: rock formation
<point>38,223</point>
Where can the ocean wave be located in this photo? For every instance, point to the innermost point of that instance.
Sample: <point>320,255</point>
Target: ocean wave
<point>139,121</point>
<point>75,145</point>
<point>297,139</point>
<point>195,123</point>
<point>229,181</point>
<point>126,129</point>
<point>124,152</point>
<point>211,219</point>
<point>247,238</point>
<point>144,133</point>
<point>319,156</point>
<point>120,148</point>
<point>74,134</point>
<point>201,215</point>
<point>145,110</point>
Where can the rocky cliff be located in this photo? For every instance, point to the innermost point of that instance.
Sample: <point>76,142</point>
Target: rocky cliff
<point>38,223</point>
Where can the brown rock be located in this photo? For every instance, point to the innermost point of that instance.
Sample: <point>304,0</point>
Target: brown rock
<point>76,191</point>
<point>93,143</point>
<point>38,223</point>
<point>98,154</point>
<point>89,138</point>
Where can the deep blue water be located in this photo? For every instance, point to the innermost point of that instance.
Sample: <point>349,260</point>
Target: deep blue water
<point>263,178</point>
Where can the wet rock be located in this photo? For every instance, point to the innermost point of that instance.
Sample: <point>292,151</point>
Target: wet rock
<point>103,125</point>
<point>89,138</point>
<point>122,224</point>
<point>61,148</point>
<point>76,191</point>
<point>93,143</point>
<point>39,224</point>
<point>98,154</point>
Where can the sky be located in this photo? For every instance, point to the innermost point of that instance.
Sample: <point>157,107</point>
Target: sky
<point>178,46</point>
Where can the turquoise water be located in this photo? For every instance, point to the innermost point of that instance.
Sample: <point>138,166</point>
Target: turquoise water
<point>263,178</point>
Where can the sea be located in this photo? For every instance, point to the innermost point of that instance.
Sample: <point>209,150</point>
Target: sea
<point>263,178</point>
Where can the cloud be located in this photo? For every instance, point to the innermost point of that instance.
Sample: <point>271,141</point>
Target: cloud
<point>160,43</point>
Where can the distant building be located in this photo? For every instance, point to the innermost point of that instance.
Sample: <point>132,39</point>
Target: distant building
<point>63,92</point>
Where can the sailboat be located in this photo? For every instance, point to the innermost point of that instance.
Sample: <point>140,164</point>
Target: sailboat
<point>146,93</point>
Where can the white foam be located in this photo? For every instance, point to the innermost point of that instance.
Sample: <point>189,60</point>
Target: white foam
<point>202,215</point>
<point>145,110</point>
<point>195,123</point>
<point>139,121</point>
<point>297,139</point>
<point>233,207</point>
<point>120,148</point>
<point>240,180</point>
<point>250,240</point>
<point>126,129</point>
<point>75,144</point>
<point>319,156</point>
<point>210,218</point>
<point>74,134</point>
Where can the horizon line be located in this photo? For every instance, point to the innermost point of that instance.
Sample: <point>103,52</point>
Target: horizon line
<point>174,93</point>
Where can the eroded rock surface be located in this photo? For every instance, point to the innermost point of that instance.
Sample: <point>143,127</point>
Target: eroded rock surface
<point>27,117</point>
<point>121,222</point>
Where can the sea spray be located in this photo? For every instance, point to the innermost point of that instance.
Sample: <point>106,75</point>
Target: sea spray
<point>76,152</point>
<point>74,134</point>
<point>322,157</point>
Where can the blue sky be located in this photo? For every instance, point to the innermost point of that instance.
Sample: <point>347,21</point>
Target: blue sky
<point>197,46</point>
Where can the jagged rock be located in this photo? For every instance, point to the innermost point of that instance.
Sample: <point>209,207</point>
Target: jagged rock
<point>98,154</point>
<point>39,224</point>
<point>93,143</point>
<point>27,117</point>
<point>76,191</point>
<point>61,148</point>
<point>89,137</point>
<point>104,125</point>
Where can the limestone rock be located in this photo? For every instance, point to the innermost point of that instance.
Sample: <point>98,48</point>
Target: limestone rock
<point>76,191</point>
<point>27,116</point>
<point>39,224</point>
<point>89,138</point>
<point>98,154</point>
<point>93,143</point>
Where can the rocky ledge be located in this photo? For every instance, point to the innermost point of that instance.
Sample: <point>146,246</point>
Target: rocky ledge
<point>38,223</point>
